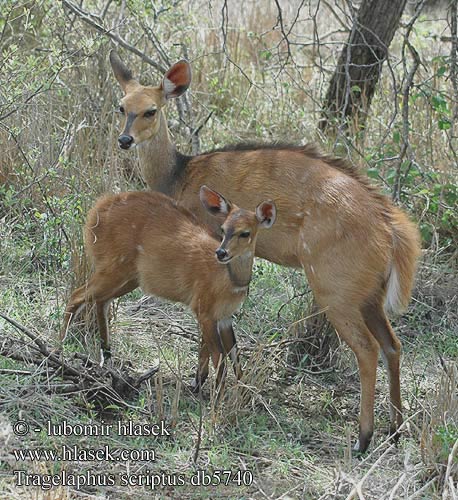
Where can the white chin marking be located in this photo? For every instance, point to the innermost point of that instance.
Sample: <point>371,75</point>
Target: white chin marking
<point>356,447</point>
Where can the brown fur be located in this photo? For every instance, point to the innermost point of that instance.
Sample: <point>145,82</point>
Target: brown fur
<point>146,239</point>
<point>353,244</point>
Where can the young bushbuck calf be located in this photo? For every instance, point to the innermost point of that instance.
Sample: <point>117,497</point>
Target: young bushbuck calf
<point>146,239</point>
<point>358,251</point>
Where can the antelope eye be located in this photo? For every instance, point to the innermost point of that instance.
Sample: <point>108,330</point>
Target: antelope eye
<point>245,234</point>
<point>149,113</point>
<point>121,109</point>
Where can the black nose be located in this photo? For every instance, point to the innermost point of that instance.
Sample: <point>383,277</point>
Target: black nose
<point>221,253</point>
<point>125,141</point>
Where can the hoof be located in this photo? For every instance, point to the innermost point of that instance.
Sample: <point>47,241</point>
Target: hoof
<point>356,448</point>
<point>362,444</point>
<point>357,451</point>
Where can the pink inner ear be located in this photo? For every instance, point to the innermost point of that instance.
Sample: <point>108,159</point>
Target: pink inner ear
<point>267,211</point>
<point>179,74</point>
<point>212,199</point>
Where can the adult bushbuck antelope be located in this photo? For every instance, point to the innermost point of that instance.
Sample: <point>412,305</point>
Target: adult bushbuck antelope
<point>358,251</point>
<point>146,239</point>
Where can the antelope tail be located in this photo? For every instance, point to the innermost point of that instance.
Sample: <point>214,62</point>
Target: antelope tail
<point>406,250</point>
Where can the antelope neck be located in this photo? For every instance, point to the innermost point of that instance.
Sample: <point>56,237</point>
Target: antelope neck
<point>161,164</point>
<point>240,269</point>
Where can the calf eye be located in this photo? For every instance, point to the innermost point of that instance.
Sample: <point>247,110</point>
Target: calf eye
<point>245,234</point>
<point>149,113</point>
<point>121,109</point>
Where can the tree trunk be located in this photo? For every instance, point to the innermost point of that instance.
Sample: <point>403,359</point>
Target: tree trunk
<point>354,81</point>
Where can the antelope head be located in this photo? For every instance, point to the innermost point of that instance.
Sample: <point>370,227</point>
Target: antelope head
<point>142,106</point>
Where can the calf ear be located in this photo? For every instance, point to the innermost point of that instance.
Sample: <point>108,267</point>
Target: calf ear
<point>215,203</point>
<point>176,80</point>
<point>266,213</point>
<point>122,73</point>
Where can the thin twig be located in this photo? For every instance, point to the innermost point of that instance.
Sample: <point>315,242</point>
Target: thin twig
<point>405,101</point>
<point>86,17</point>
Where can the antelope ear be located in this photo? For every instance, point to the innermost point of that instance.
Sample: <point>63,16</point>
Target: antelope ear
<point>214,202</point>
<point>122,73</point>
<point>266,213</point>
<point>176,80</point>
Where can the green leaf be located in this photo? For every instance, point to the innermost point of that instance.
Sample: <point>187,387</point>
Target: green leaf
<point>441,71</point>
<point>391,175</point>
<point>372,173</point>
<point>444,124</point>
<point>438,59</point>
<point>439,103</point>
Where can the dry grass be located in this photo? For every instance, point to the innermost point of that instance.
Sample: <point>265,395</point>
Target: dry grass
<point>293,428</point>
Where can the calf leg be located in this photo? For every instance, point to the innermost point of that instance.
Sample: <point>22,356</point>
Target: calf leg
<point>227,335</point>
<point>103,297</point>
<point>75,305</point>
<point>101,289</point>
<point>202,369</point>
<point>211,347</point>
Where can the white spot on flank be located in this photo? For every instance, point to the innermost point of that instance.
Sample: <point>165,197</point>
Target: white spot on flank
<point>299,214</point>
<point>140,249</point>
<point>122,258</point>
<point>133,226</point>
<point>311,269</point>
<point>239,289</point>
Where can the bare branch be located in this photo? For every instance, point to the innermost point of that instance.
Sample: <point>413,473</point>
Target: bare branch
<point>87,18</point>
<point>405,101</point>
<point>84,375</point>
